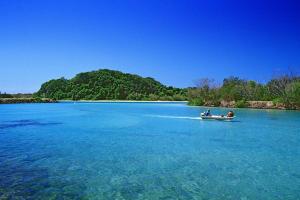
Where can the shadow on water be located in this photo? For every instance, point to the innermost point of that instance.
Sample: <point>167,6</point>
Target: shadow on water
<point>20,183</point>
<point>25,122</point>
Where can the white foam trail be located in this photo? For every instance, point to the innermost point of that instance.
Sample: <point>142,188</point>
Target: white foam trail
<point>174,117</point>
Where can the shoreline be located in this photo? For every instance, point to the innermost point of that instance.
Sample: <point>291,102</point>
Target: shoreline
<point>119,101</point>
<point>252,108</point>
<point>260,105</point>
<point>26,100</point>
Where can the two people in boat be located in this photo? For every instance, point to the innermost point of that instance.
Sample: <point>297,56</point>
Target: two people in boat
<point>229,114</point>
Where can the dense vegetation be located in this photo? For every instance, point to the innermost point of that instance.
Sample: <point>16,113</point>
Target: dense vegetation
<point>26,100</point>
<point>107,84</point>
<point>18,95</point>
<point>5,95</point>
<point>6,98</point>
<point>114,85</point>
<point>283,90</point>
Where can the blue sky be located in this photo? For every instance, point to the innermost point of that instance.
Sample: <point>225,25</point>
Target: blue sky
<point>174,41</point>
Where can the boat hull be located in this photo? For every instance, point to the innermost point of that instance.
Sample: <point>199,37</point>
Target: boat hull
<point>217,117</point>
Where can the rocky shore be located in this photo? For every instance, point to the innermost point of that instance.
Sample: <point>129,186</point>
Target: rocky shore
<point>257,105</point>
<point>26,100</point>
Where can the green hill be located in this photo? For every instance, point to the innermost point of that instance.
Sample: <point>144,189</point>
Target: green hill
<point>107,84</point>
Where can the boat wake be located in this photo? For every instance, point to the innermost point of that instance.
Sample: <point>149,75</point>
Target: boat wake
<point>174,117</point>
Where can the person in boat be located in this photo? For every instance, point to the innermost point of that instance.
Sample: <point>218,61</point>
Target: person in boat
<point>207,113</point>
<point>230,114</point>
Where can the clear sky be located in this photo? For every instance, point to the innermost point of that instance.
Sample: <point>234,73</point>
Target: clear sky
<point>174,41</point>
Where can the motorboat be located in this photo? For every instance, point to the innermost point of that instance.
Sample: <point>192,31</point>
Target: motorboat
<point>215,117</point>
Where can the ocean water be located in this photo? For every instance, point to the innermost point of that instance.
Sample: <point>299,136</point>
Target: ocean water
<point>147,151</point>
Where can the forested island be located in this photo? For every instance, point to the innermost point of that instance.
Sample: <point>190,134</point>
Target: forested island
<point>107,84</point>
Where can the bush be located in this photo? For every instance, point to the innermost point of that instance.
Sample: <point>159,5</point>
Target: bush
<point>277,101</point>
<point>178,97</point>
<point>196,102</point>
<point>166,98</point>
<point>293,93</point>
<point>37,99</point>
<point>4,95</point>
<point>153,97</point>
<point>241,104</point>
<point>216,103</point>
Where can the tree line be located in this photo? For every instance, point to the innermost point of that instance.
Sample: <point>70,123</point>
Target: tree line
<point>18,95</point>
<point>284,89</point>
<point>107,84</point>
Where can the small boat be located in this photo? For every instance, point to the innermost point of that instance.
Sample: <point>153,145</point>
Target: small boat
<point>216,117</point>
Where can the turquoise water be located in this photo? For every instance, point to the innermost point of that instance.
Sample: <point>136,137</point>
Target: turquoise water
<point>146,151</point>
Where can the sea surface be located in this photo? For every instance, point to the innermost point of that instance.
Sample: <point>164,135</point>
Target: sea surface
<point>147,151</point>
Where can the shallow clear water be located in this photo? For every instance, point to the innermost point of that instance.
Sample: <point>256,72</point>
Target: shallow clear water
<point>146,151</point>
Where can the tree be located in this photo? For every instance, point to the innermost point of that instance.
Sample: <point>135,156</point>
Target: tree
<point>5,95</point>
<point>279,87</point>
<point>293,93</point>
<point>107,84</point>
<point>206,91</point>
